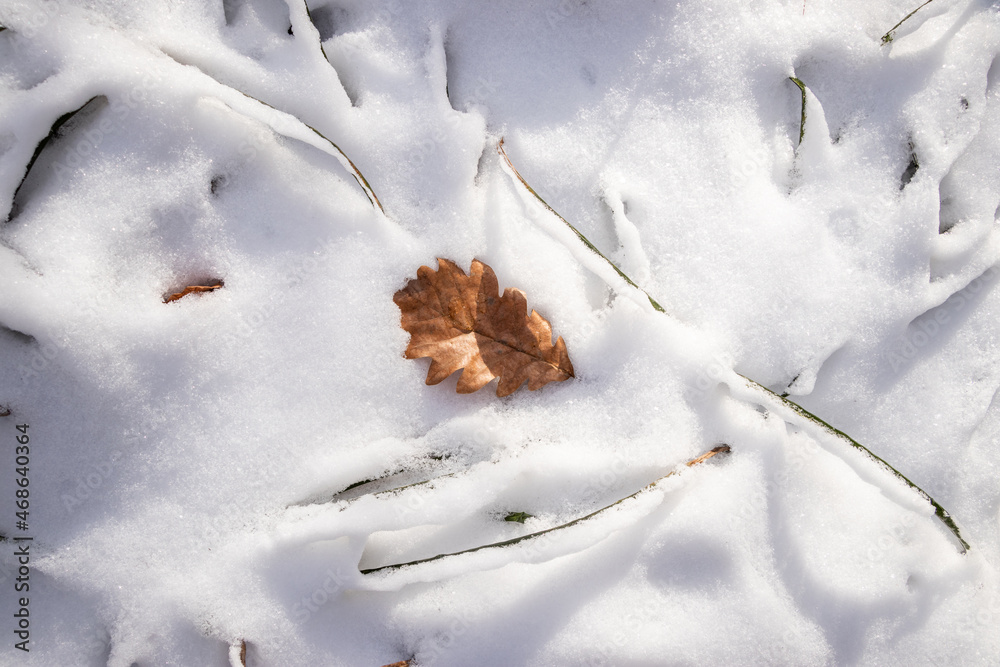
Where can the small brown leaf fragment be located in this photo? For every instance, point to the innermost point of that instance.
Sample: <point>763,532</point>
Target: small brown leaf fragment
<point>461,321</point>
<point>720,449</point>
<point>401,663</point>
<point>190,289</point>
<point>243,653</point>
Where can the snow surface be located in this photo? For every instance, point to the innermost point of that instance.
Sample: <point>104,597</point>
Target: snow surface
<point>185,458</point>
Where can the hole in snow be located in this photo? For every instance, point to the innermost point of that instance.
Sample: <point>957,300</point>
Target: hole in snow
<point>449,68</point>
<point>15,335</point>
<point>910,171</point>
<point>218,183</point>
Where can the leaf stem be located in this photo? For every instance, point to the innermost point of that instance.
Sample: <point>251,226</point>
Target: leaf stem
<point>721,449</point>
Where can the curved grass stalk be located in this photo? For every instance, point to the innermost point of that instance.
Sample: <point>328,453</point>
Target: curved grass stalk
<point>580,236</point>
<point>889,36</point>
<point>802,121</point>
<point>358,176</point>
<point>721,449</point>
<point>313,24</point>
<point>797,409</point>
<point>383,492</point>
<point>51,136</point>
<point>340,155</point>
<point>939,511</point>
<point>397,489</point>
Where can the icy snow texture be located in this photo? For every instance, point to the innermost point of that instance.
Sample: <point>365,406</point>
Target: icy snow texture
<point>184,455</point>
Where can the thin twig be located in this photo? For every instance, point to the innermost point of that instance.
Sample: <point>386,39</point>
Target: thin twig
<point>704,457</point>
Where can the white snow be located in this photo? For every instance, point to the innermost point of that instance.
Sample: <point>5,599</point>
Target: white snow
<point>189,461</point>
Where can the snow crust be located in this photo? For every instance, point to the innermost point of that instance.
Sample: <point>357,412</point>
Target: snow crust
<point>191,461</point>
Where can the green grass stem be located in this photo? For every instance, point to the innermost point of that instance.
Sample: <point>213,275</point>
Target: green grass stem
<point>335,498</point>
<point>313,24</point>
<point>358,176</point>
<point>51,136</point>
<point>580,236</point>
<point>889,36</point>
<point>939,511</point>
<point>721,449</point>
<point>802,120</point>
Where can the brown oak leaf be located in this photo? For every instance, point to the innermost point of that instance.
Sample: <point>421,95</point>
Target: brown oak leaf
<point>460,321</point>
